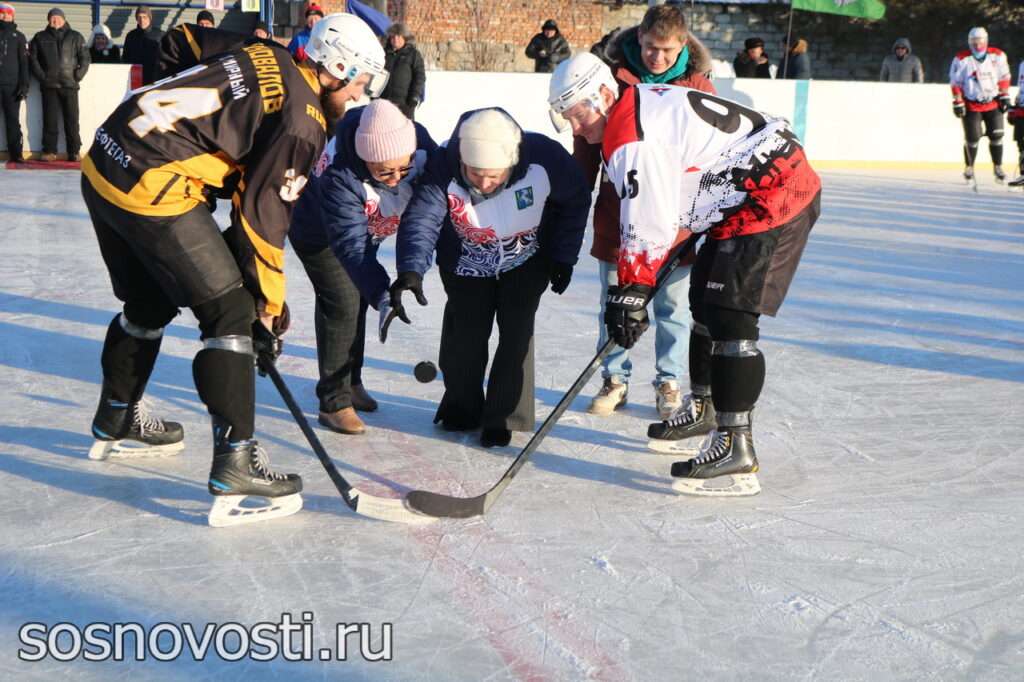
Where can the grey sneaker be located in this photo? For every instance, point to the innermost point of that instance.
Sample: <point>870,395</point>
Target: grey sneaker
<point>668,398</point>
<point>611,397</point>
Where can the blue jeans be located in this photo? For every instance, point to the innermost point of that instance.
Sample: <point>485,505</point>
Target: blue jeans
<point>670,311</point>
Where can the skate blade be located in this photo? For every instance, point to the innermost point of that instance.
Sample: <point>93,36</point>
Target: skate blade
<point>105,449</point>
<point>227,510</point>
<point>685,446</point>
<point>737,485</point>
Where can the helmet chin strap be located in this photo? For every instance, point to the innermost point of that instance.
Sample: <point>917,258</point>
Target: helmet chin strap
<point>321,70</point>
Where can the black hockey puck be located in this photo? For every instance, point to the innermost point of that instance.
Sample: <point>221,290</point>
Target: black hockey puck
<point>425,372</point>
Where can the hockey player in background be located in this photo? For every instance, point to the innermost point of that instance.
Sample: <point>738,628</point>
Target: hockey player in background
<point>980,79</point>
<point>686,159</point>
<point>254,110</point>
<point>1016,118</point>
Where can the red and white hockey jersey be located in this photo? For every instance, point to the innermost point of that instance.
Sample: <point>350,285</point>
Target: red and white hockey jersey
<point>978,83</point>
<point>686,159</point>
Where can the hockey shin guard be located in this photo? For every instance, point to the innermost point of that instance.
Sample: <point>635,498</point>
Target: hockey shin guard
<point>700,359</point>
<point>995,147</point>
<point>225,376</point>
<point>737,375</point>
<point>129,353</point>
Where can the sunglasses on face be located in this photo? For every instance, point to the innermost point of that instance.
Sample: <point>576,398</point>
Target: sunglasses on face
<point>400,172</point>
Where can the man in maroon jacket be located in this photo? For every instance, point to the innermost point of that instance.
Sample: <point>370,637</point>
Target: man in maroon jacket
<point>660,50</point>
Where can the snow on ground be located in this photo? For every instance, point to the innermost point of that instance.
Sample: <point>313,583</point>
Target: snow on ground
<point>886,544</point>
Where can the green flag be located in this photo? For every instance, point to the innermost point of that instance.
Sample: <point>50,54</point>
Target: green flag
<point>866,9</point>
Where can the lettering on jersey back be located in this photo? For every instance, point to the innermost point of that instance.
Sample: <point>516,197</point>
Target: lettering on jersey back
<point>315,114</point>
<point>235,77</point>
<point>268,75</point>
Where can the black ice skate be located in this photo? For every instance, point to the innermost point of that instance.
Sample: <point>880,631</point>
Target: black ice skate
<point>726,466</point>
<point>695,418</point>
<point>128,430</point>
<point>999,173</point>
<point>241,470</point>
<point>1017,181</point>
<point>968,173</point>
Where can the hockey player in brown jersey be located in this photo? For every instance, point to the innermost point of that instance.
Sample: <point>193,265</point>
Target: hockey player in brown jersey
<point>254,111</point>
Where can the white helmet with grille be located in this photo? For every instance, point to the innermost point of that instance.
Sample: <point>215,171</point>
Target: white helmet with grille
<point>346,47</point>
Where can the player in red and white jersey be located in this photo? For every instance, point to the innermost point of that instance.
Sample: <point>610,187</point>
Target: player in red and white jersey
<point>1016,118</point>
<point>686,159</point>
<point>980,79</point>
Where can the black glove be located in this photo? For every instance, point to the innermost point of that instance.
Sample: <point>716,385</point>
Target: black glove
<point>265,344</point>
<point>959,110</point>
<point>406,281</point>
<point>1004,103</point>
<point>560,275</point>
<point>625,313</point>
<point>20,94</point>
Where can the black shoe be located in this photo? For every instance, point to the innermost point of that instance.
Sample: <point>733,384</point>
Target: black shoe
<point>457,422</point>
<point>243,468</point>
<point>695,418</point>
<point>495,438</point>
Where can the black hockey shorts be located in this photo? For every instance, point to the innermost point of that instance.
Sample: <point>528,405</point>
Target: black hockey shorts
<point>168,262</point>
<point>752,272</point>
<point>992,119</point>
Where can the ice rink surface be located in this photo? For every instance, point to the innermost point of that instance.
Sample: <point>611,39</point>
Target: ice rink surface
<point>887,542</point>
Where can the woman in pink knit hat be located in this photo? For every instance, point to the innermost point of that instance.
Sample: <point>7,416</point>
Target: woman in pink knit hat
<point>353,202</point>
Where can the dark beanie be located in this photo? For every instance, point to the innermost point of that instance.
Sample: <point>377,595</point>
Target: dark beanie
<point>751,43</point>
<point>55,12</point>
<point>549,25</point>
<point>205,14</point>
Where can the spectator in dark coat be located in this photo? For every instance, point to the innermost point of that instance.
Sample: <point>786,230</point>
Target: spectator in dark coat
<point>102,49</point>
<point>142,45</point>
<point>752,62</point>
<point>797,64</point>
<point>548,48</point>
<point>262,31</point>
<point>59,61</point>
<point>13,78</point>
<point>205,19</point>
<point>407,75</point>
<point>901,66</point>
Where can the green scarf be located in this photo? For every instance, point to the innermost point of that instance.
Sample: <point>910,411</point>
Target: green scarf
<point>631,48</point>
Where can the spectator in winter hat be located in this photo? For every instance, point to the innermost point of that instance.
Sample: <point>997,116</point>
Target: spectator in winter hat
<point>59,61</point>
<point>548,48</point>
<point>752,62</point>
<point>297,46</point>
<point>407,75</point>
<point>353,202</point>
<point>205,19</point>
<point>142,45</point>
<point>13,79</point>
<point>796,63</point>
<point>262,31</point>
<point>901,66</point>
<point>506,211</point>
<point>102,49</point>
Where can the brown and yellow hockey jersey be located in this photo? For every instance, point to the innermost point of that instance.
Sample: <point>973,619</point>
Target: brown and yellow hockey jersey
<point>252,110</point>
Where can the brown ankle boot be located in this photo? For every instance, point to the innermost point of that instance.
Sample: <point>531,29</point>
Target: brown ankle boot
<point>344,421</point>
<point>361,400</point>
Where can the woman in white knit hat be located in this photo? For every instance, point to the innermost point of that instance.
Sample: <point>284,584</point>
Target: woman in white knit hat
<point>354,199</point>
<point>506,211</point>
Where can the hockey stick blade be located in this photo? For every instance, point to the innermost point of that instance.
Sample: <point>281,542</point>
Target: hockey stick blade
<point>448,506</point>
<point>364,504</point>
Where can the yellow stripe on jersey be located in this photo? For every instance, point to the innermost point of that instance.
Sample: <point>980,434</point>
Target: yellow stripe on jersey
<point>311,78</point>
<point>159,191</point>
<point>269,261</point>
<point>192,42</point>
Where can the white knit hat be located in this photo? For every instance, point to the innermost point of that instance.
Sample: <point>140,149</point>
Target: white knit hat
<point>489,139</point>
<point>384,133</point>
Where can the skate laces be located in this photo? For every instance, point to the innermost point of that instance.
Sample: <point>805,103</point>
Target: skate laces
<point>143,420</point>
<point>688,412</point>
<point>715,446</point>
<point>260,463</point>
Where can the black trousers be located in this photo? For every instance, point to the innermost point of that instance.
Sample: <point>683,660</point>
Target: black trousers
<point>993,121</point>
<point>474,303</point>
<point>12,126</point>
<point>1018,137</point>
<point>340,324</point>
<point>60,104</point>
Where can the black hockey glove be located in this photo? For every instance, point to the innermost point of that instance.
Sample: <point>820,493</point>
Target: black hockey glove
<point>625,313</point>
<point>1004,102</point>
<point>406,281</point>
<point>20,94</point>
<point>265,344</point>
<point>560,275</point>
<point>959,110</point>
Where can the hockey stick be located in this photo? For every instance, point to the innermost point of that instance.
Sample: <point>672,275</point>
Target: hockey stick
<point>438,505</point>
<point>382,508</point>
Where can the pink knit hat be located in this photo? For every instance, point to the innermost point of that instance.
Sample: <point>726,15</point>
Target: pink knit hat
<point>384,133</point>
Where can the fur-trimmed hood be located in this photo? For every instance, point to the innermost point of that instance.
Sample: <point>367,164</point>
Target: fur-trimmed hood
<point>610,50</point>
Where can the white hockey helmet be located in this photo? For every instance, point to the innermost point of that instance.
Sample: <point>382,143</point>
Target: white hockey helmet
<point>578,79</point>
<point>977,32</point>
<point>346,47</point>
